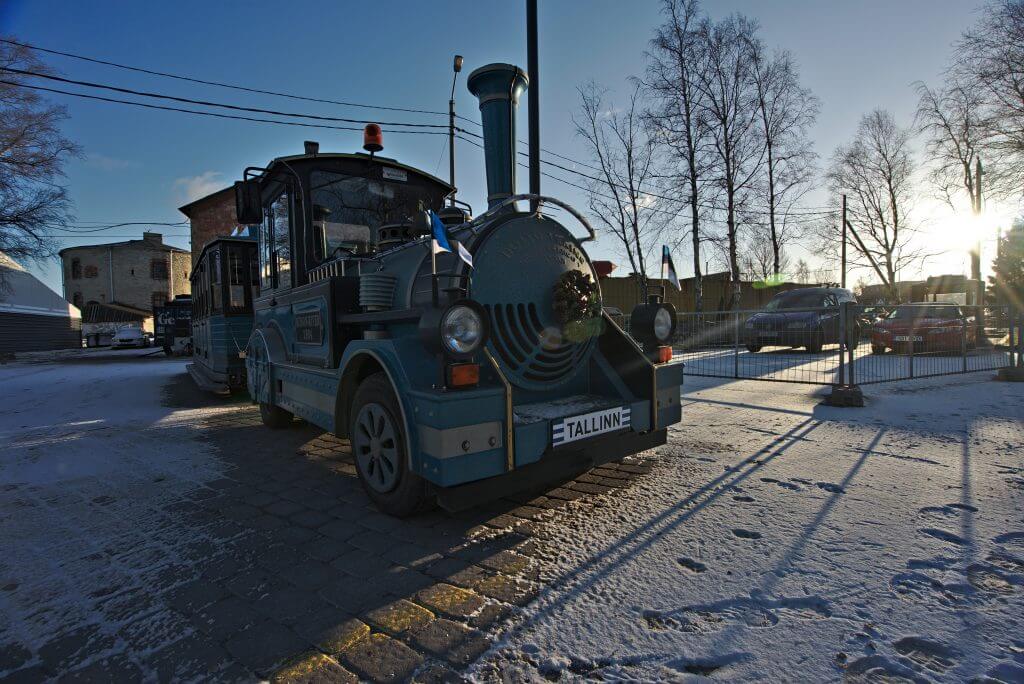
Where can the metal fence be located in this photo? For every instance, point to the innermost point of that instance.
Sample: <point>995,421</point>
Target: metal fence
<point>849,345</point>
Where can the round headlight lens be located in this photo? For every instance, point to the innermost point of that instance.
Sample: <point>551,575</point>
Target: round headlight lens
<point>662,324</point>
<point>462,330</point>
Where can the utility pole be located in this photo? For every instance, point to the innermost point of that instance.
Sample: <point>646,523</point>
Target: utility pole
<point>534,94</point>
<point>979,289</point>
<point>456,67</point>
<point>842,260</point>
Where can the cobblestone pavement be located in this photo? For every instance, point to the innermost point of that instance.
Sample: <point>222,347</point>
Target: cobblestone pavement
<point>276,567</point>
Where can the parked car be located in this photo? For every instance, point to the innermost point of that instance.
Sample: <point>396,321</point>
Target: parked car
<point>808,317</point>
<point>130,337</point>
<point>925,328</point>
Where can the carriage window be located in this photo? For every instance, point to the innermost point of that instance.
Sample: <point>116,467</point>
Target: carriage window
<point>215,282</point>
<point>236,277</point>
<point>348,210</point>
<point>276,252</point>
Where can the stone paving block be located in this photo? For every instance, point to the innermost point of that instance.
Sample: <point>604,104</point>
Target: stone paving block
<point>313,668</point>
<point>319,502</point>
<point>528,512</point>
<point>450,600</point>
<point>359,563</point>
<point>589,488</point>
<point>29,675</point>
<point>446,567</point>
<point>355,595</point>
<point>225,618</point>
<point>13,656</point>
<point>564,494</point>
<point>510,563</point>
<point>382,659</point>
<point>190,597</point>
<point>340,530</point>
<point>468,576</point>
<point>325,549</point>
<point>371,541</point>
<point>284,507</point>
<point>253,583</point>
<point>65,649</point>
<point>263,646</point>
<point>452,641</point>
<point>115,668</point>
<point>404,582</point>
<point>332,630</point>
<point>490,614</point>
<point>411,555</point>
<point>309,574</point>
<point>289,604</point>
<point>507,589</point>
<point>277,558</point>
<point>399,618</point>
<point>310,518</point>
<point>380,522</point>
<point>268,523</point>
<point>221,567</point>
<point>293,535</point>
<point>260,499</point>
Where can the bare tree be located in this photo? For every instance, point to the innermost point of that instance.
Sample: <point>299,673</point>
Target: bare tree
<point>786,111</point>
<point>952,121</point>
<point>620,200</point>
<point>676,56</point>
<point>802,272</point>
<point>762,261</point>
<point>729,99</point>
<point>32,156</point>
<point>876,171</point>
<point>990,58</point>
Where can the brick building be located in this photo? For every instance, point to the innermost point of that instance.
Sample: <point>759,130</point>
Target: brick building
<point>135,275</point>
<point>211,217</point>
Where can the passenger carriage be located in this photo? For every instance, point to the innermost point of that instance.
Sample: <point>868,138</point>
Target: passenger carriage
<point>225,285</point>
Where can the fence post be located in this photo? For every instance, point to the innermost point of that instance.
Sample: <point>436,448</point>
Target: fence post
<point>910,343</point>
<point>856,343</point>
<point>842,343</point>
<point>736,345</point>
<point>963,339</point>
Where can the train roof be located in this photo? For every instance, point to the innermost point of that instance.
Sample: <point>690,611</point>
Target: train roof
<point>246,239</point>
<point>361,156</point>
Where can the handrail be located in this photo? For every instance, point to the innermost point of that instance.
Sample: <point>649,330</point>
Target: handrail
<point>490,213</point>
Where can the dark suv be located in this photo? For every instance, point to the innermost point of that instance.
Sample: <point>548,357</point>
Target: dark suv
<point>808,317</point>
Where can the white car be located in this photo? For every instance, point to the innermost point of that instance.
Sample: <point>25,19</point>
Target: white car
<point>130,337</point>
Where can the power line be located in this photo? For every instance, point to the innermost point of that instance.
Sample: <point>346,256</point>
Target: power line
<point>218,83</point>
<point>217,115</point>
<point>206,103</point>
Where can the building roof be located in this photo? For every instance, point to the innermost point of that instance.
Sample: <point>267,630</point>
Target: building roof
<point>22,292</point>
<point>128,243</point>
<point>113,313</point>
<point>186,208</point>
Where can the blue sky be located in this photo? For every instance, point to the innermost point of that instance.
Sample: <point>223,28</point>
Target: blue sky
<point>142,164</point>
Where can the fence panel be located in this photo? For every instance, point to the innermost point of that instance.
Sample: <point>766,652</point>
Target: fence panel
<point>879,344</point>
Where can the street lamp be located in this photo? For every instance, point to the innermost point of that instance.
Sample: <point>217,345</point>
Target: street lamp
<point>456,68</point>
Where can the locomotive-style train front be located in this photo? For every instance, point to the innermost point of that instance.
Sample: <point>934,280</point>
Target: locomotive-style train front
<point>452,381</point>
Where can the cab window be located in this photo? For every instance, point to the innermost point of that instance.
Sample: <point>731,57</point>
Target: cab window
<point>275,243</point>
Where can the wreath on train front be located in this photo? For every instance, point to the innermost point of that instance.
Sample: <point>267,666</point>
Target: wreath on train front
<point>577,306</point>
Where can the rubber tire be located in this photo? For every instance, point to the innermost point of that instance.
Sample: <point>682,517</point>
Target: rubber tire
<point>275,417</point>
<point>753,348</point>
<point>409,495</point>
<point>814,347</point>
<point>877,349</point>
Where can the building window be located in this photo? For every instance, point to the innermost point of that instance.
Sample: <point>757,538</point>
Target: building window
<point>158,269</point>
<point>76,299</point>
<point>76,269</point>
<point>159,299</point>
<point>91,271</point>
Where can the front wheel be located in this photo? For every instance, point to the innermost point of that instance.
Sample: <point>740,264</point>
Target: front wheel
<point>877,349</point>
<point>753,348</point>
<point>814,347</point>
<point>378,442</point>
<point>275,417</point>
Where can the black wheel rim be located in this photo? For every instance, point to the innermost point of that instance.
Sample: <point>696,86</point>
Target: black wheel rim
<point>375,445</point>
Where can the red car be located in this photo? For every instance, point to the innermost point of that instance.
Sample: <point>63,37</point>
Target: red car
<point>928,327</point>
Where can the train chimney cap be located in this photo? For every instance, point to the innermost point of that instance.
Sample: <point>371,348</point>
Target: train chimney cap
<point>373,138</point>
<point>498,81</point>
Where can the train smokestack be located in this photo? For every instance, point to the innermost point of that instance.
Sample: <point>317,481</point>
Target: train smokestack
<point>498,87</point>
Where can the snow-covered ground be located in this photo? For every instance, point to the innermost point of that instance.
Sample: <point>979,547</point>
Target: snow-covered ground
<point>782,540</point>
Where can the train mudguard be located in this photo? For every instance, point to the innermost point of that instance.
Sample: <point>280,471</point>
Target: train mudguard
<point>264,348</point>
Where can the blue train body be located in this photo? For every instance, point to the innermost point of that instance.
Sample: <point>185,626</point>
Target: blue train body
<point>453,382</point>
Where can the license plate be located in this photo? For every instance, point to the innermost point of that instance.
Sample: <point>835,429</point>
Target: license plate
<point>589,425</point>
<point>906,338</point>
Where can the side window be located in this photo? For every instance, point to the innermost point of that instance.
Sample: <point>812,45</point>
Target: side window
<point>236,275</point>
<point>830,301</point>
<point>215,282</point>
<point>275,243</point>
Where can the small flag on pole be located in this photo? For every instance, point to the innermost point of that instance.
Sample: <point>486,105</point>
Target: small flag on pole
<point>464,253</point>
<point>440,235</point>
<point>668,269</point>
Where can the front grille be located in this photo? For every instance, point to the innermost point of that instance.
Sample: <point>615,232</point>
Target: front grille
<point>528,350</point>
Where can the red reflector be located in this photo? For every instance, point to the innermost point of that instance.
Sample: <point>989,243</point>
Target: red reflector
<point>664,354</point>
<point>463,374</point>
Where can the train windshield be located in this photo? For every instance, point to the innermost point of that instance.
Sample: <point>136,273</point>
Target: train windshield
<point>348,210</point>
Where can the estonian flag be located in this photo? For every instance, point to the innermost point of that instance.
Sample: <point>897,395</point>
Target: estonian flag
<point>441,243</point>
<point>667,267</point>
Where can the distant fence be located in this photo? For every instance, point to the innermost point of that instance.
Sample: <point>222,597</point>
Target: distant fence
<point>852,344</point>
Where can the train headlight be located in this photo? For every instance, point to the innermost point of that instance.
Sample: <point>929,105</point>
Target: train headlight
<point>456,331</point>
<point>662,324</point>
<point>462,330</point>
<point>653,323</point>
